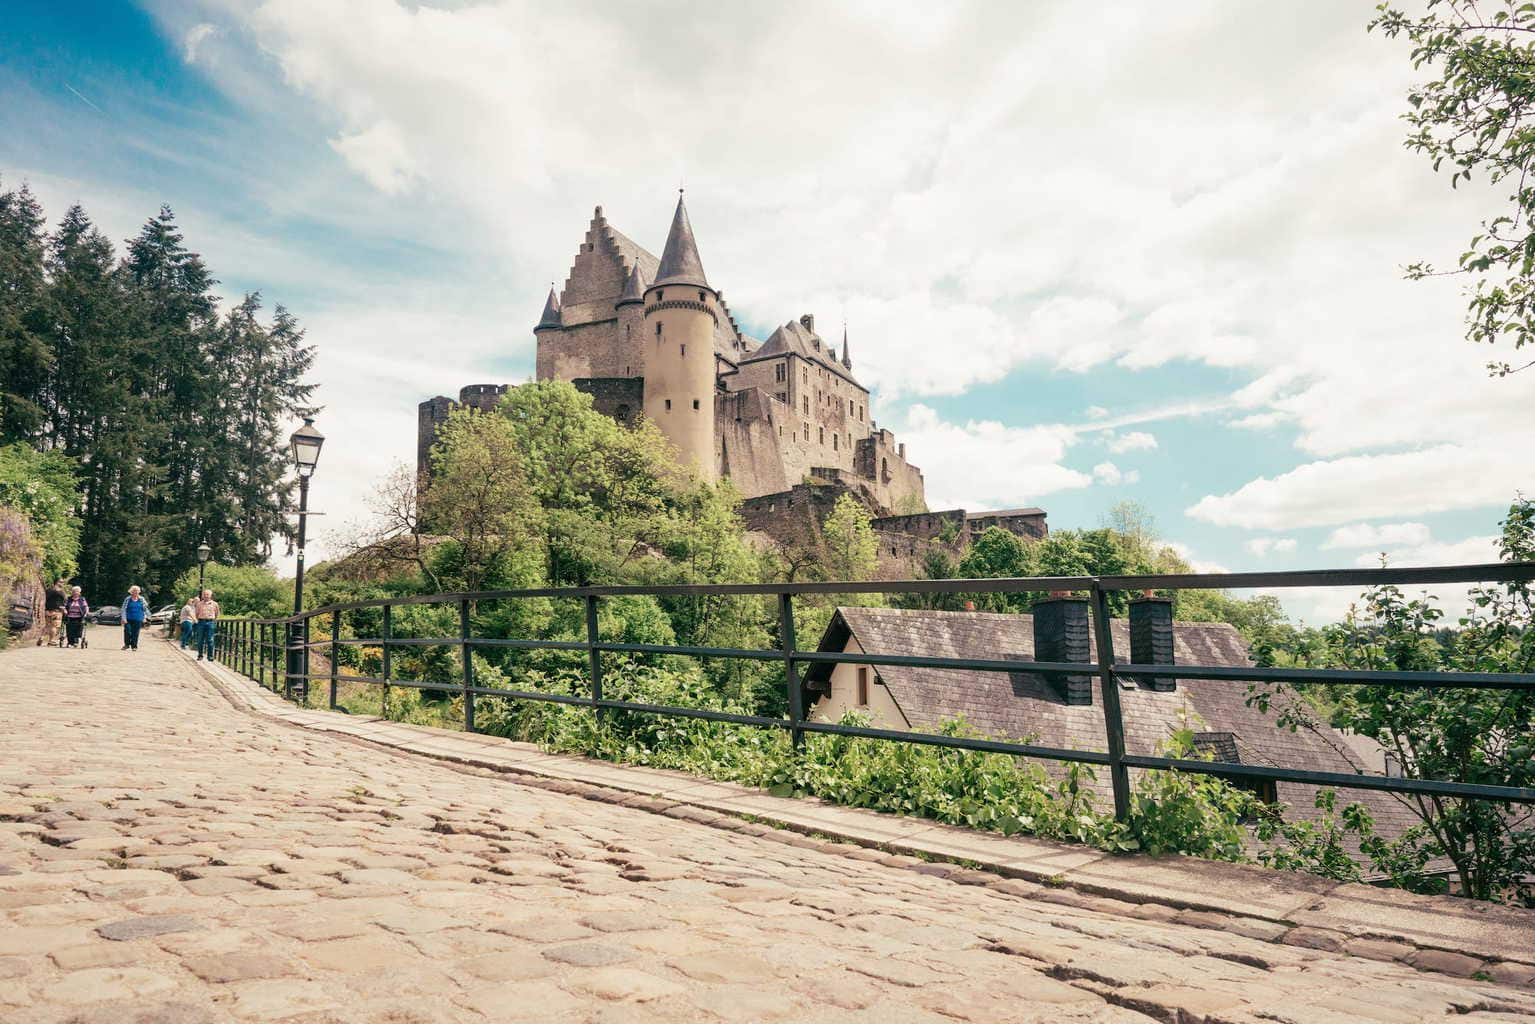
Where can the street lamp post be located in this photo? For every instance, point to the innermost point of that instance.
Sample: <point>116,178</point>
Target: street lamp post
<point>305,442</point>
<point>203,551</point>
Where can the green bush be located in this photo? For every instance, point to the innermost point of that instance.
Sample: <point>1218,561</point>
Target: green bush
<point>252,590</point>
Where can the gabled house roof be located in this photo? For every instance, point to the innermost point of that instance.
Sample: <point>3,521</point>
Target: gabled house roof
<point>1025,706</point>
<point>794,338</point>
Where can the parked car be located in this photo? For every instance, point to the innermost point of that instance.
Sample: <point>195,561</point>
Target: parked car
<point>163,615</point>
<point>108,615</point>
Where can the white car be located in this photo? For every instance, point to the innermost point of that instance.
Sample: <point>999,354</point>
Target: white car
<point>163,615</point>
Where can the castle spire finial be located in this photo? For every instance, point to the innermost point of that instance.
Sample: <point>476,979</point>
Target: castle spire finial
<point>680,262</point>
<point>551,317</point>
<point>847,360</point>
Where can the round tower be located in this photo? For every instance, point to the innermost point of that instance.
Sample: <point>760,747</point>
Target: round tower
<point>681,313</point>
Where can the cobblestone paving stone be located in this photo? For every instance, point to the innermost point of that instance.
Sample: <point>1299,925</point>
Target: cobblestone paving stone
<point>167,859</point>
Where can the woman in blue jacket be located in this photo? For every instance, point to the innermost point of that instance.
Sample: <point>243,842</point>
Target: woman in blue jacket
<point>135,611</point>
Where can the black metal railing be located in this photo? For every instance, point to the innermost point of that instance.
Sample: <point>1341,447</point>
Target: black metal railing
<point>257,648</point>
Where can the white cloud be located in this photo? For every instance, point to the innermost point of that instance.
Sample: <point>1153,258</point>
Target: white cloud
<point>1135,440</point>
<point>1377,537</point>
<point>1261,546</point>
<point>380,154</point>
<point>1096,412</point>
<point>194,39</point>
<point>1335,491</point>
<point>1196,563</point>
<point>1112,476</point>
<point>984,464</point>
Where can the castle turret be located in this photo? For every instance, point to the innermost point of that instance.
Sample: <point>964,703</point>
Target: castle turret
<point>551,317</point>
<point>630,309</point>
<point>681,313</point>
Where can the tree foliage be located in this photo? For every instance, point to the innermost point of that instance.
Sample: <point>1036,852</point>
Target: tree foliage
<point>1475,119</point>
<point>41,488</point>
<point>172,414</point>
<point>1464,735</point>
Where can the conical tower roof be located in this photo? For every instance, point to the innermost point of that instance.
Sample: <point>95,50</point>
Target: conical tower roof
<point>551,317</point>
<point>634,287</point>
<point>847,360</point>
<point>680,263</point>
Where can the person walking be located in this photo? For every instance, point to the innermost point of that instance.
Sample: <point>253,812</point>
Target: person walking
<point>207,610</point>
<point>135,611</point>
<point>53,615</point>
<point>76,608</point>
<point>188,622</point>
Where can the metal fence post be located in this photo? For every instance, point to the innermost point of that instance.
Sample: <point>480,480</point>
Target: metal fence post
<point>790,672</point>
<point>468,658</point>
<point>335,635</point>
<point>1113,722</point>
<point>388,633</point>
<point>593,655</point>
<point>288,631</point>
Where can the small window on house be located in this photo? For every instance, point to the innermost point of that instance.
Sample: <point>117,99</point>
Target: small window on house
<point>863,684</point>
<point>695,403</point>
<point>668,405</point>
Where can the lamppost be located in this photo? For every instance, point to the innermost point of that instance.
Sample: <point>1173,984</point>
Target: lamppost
<point>203,551</point>
<point>305,442</point>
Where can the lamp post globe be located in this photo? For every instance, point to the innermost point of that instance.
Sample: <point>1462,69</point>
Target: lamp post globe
<point>305,444</point>
<point>203,551</point>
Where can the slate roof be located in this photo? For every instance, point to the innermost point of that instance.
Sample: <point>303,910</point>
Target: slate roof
<point>1003,513</point>
<point>794,338</point>
<point>730,342</point>
<point>1025,706</point>
<point>680,262</point>
<point>551,314</point>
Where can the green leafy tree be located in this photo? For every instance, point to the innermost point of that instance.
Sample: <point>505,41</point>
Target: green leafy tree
<point>1475,119</point>
<point>479,496</point>
<point>40,486</point>
<point>252,590</point>
<point>1474,736</point>
<point>851,546</point>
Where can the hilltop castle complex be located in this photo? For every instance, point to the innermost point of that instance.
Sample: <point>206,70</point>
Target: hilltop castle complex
<point>779,417</point>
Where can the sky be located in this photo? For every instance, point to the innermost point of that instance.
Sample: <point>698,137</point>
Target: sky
<point>1085,253</point>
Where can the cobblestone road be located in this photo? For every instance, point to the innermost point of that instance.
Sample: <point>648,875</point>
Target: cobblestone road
<point>166,858</point>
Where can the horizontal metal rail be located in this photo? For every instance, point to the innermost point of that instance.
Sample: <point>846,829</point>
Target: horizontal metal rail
<point>256,647</point>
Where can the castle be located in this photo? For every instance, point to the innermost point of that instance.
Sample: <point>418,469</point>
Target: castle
<point>784,419</point>
<point>640,334</point>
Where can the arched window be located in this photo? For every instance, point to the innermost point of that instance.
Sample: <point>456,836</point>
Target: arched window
<point>622,414</point>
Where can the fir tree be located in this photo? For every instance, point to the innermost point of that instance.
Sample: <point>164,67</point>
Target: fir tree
<point>24,354</point>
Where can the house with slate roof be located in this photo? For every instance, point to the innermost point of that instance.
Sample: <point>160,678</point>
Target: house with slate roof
<point>1067,712</point>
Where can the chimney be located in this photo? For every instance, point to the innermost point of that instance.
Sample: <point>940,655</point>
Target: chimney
<point>808,322</point>
<point>1062,633</point>
<point>1151,639</point>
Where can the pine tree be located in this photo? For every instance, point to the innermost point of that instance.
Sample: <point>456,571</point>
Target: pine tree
<point>24,354</point>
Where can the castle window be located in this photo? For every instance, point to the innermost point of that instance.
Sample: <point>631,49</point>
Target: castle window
<point>822,434</point>
<point>660,296</point>
<point>807,405</point>
<point>695,403</point>
<point>658,328</point>
<point>684,350</point>
<point>622,413</point>
<point>807,431</point>
<point>668,405</point>
<point>701,297</point>
<point>779,371</point>
<point>834,440</point>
